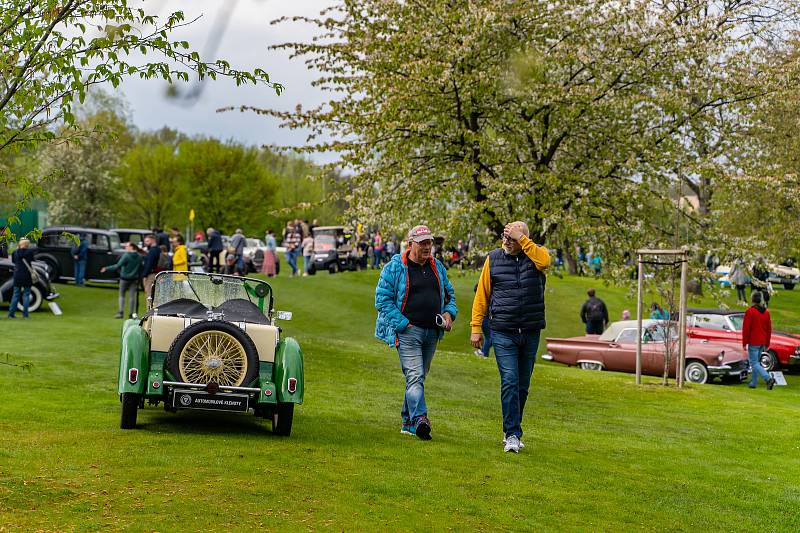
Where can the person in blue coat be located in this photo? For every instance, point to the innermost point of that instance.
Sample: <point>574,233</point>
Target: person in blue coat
<point>23,280</point>
<point>80,254</point>
<point>416,304</point>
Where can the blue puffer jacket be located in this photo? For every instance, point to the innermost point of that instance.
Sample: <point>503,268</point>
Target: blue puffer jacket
<point>390,297</point>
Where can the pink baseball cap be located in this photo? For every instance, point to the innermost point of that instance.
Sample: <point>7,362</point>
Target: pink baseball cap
<point>420,233</point>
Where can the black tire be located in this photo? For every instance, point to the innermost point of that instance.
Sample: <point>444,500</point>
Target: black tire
<point>334,268</point>
<point>788,286</point>
<point>769,360</point>
<point>696,372</point>
<point>282,419</point>
<point>173,356</point>
<point>130,407</point>
<point>35,302</point>
<point>312,270</point>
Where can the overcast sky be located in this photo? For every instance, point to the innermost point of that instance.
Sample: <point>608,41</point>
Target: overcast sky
<point>244,44</point>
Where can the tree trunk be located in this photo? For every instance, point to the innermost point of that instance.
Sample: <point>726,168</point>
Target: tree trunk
<point>572,264</point>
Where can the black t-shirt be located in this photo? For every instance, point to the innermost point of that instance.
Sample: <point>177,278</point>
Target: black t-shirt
<point>424,299</point>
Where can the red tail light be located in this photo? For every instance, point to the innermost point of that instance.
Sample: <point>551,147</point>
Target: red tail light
<point>292,385</point>
<point>133,375</point>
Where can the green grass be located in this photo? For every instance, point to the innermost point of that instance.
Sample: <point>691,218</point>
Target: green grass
<point>602,453</point>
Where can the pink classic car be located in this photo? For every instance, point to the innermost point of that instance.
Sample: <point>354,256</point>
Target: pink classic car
<point>615,350</point>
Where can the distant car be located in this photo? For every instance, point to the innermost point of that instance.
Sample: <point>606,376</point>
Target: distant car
<point>784,275</point>
<point>54,248</point>
<point>615,350</point>
<point>210,342</point>
<point>40,292</point>
<point>334,250</point>
<point>726,326</point>
<point>198,252</point>
<point>134,235</point>
<point>254,250</point>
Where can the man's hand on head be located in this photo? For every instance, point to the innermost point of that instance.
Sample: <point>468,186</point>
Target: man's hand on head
<point>513,232</point>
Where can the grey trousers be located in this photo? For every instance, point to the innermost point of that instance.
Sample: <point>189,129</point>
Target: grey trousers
<point>130,286</point>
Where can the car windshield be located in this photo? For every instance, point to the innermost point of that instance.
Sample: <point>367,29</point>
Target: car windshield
<point>211,290</point>
<point>737,321</point>
<point>324,242</point>
<point>657,333</point>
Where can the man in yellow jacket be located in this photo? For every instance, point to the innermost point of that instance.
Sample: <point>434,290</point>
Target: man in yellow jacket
<point>511,292</point>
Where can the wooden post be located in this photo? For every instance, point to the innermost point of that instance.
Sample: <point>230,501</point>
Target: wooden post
<point>639,324</point>
<point>682,321</point>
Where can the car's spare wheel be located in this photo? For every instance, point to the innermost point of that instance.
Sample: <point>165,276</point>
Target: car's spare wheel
<point>213,351</point>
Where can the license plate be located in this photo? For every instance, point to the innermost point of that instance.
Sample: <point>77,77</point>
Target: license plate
<point>186,399</point>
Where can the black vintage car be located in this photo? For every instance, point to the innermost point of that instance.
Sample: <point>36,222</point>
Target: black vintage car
<point>40,292</point>
<point>136,235</point>
<point>54,248</point>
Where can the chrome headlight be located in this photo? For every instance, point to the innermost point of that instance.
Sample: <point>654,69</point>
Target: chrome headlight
<point>721,356</point>
<point>797,350</point>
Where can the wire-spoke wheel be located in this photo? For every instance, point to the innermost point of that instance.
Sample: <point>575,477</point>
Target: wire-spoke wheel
<point>213,356</point>
<point>213,351</point>
<point>587,365</point>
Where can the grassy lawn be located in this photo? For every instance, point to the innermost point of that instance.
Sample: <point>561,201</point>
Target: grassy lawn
<point>602,454</point>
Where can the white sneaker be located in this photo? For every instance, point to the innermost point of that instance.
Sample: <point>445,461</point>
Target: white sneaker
<point>521,444</point>
<point>512,444</point>
<point>480,353</point>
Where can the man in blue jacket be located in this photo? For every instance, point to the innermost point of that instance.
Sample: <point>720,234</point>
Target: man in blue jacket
<point>80,254</point>
<point>416,304</point>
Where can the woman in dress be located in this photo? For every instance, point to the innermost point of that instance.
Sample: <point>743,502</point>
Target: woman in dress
<point>268,267</point>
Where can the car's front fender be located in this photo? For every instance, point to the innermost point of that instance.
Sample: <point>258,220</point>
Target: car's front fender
<point>289,371</point>
<point>134,354</point>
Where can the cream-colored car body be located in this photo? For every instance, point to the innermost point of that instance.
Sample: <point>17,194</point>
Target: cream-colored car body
<point>164,329</point>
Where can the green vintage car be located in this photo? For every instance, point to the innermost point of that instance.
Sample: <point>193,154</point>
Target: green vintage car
<point>210,342</point>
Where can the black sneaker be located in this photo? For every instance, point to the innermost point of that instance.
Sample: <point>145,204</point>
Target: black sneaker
<point>423,427</point>
<point>770,383</point>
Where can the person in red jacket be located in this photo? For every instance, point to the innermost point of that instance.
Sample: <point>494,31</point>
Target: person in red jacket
<point>756,333</point>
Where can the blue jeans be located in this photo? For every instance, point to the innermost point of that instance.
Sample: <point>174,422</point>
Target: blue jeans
<point>291,259</point>
<point>487,336</point>
<point>415,348</point>
<point>753,353</point>
<point>80,271</point>
<point>306,263</point>
<point>376,258</point>
<point>26,299</point>
<point>515,354</point>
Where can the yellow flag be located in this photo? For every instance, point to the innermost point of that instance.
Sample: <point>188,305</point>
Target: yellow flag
<point>191,215</point>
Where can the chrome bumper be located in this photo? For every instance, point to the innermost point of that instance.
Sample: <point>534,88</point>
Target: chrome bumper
<point>226,388</point>
<point>727,370</point>
<point>547,357</point>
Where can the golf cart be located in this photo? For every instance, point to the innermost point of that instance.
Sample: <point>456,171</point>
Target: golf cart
<point>334,250</point>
